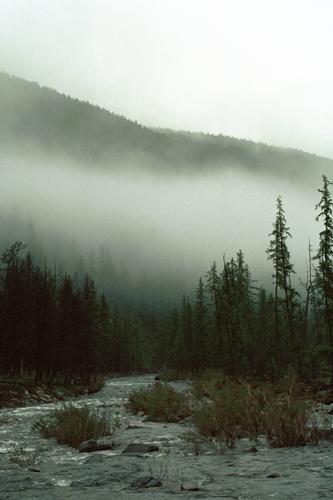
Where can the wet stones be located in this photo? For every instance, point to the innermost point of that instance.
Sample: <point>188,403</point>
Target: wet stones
<point>252,449</point>
<point>140,448</point>
<point>146,482</point>
<point>103,443</point>
<point>88,446</point>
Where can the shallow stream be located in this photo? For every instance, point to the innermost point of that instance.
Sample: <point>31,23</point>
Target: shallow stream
<point>64,473</point>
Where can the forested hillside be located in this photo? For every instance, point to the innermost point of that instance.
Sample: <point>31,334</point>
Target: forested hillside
<point>106,282</point>
<point>39,121</point>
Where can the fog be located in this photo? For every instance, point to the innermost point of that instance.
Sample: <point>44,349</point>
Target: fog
<point>170,224</point>
<point>249,69</point>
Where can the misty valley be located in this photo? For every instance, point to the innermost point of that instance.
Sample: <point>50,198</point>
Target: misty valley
<point>127,249</point>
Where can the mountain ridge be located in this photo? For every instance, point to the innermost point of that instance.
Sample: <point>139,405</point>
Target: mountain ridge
<point>37,120</point>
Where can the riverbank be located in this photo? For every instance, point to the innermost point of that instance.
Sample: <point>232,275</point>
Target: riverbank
<point>250,471</point>
<point>14,394</point>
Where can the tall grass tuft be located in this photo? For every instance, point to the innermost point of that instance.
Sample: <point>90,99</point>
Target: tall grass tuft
<point>161,401</point>
<point>73,425</point>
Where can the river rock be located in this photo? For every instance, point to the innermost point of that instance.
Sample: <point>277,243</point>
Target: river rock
<point>146,482</point>
<point>105,443</point>
<point>252,449</point>
<point>189,487</point>
<point>88,446</point>
<point>140,448</point>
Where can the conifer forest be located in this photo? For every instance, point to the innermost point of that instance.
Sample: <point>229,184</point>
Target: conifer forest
<point>53,323</point>
<point>80,296</point>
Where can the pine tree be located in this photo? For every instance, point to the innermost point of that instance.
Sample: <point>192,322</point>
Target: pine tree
<point>324,256</point>
<point>214,288</point>
<point>283,269</point>
<point>200,341</point>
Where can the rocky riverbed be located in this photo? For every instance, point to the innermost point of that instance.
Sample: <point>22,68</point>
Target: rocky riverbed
<point>250,471</point>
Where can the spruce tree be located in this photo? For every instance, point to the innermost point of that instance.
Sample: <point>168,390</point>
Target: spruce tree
<point>324,271</point>
<point>283,269</point>
<point>200,340</point>
<point>214,288</point>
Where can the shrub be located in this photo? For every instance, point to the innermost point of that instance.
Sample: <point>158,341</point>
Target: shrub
<point>285,421</point>
<point>73,425</point>
<point>225,412</point>
<point>161,401</point>
<point>231,409</point>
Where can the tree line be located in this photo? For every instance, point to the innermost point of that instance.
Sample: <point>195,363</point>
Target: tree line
<point>56,324</point>
<point>236,325</point>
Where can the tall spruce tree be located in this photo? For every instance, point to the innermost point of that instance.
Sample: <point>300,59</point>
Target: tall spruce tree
<point>324,271</point>
<point>200,328</point>
<point>214,288</point>
<point>283,269</point>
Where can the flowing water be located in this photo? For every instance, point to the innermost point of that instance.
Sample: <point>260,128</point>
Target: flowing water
<point>62,472</point>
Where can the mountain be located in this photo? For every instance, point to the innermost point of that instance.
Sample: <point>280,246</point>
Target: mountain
<point>38,121</point>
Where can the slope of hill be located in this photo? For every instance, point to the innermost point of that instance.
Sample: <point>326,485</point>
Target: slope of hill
<point>37,121</point>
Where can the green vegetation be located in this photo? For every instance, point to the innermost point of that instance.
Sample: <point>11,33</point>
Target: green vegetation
<point>230,322</point>
<point>224,409</point>
<point>229,410</point>
<point>233,324</point>
<point>73,425</point>
<point>161,401</point>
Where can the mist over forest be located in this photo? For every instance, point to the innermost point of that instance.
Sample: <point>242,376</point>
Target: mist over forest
<point>149,208</point>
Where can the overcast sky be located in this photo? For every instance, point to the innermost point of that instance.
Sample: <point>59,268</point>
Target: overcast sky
<point>255,69</point>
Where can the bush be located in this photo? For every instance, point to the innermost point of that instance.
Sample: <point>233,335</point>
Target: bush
<point>231,409</point>
<point>285,421</point>
<point>225,412</point>
<point>161,401</point>
<point>73,425</point>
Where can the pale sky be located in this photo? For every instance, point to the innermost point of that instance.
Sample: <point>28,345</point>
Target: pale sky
<point>255,69</point>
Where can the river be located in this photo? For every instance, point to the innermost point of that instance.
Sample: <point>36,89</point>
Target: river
<point>64,473</point>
